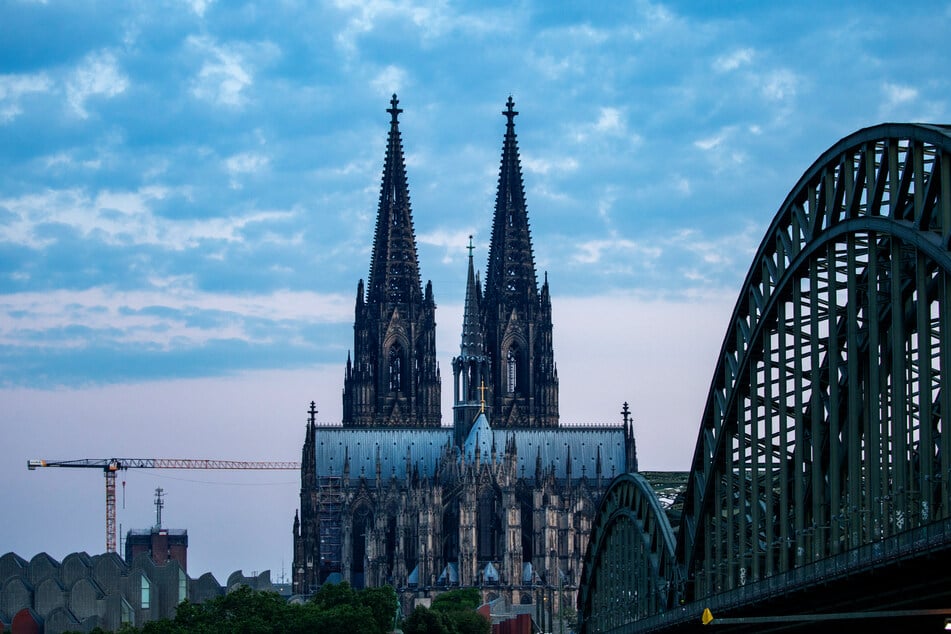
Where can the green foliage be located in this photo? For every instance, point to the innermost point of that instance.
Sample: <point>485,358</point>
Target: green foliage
<point>426,621</point>
<point>461,599</point>
<point>346,619</point>
<point>383,605</point>
<point>469,622</point>
<point>379,603</point>
<point>452,612</point>
<point>336,609</point>
<point>335,594</point>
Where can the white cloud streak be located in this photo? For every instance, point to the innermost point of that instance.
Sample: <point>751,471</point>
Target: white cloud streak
<point>119,218</point>
<point>14,87</point>
<point>97,75</point>
<point>733,60</point>
<point>223,76</point>
<point>388,81</point>
<point>127,317</point>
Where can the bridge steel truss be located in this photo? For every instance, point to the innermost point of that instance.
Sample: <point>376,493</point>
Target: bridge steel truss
<point>822,449</point>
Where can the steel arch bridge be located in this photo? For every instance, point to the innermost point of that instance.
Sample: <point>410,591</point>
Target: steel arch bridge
<point>822,465</point>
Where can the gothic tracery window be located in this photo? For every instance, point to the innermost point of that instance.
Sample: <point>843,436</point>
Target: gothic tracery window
<point>396,368</point>
<point>488,526</point>
<point>511,370</point>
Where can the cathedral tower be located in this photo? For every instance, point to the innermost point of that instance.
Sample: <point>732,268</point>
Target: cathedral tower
<point>393,379</point>
<point>523,391</point>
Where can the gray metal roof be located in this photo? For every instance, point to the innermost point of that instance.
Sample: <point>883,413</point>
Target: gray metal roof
<point>334,444</point>
<point>425,446</point>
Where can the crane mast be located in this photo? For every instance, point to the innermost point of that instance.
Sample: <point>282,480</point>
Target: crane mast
<point>110,466</point>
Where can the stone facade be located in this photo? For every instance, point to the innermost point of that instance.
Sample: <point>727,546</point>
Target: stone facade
<point>503,498</point>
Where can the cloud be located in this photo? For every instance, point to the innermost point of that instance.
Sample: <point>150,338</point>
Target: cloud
<point>172,314</point>
<point>389,81</point>
<point>723,149</point>
<point>452,241</point>
<point>119,217</point>
<point>97,75</point>
<point>244,163</point>
<point>223,76</point>
<point>703,259</point>
<point>732,61</point>
<point>430,21</point>
<point>14,87</point>
<point>896,94</point>
<point>709,143</point>
<point>780,85</point>
<point>610,123</point>
<point>199,6</point>
<point>593,251</point>
<point>539,165</point>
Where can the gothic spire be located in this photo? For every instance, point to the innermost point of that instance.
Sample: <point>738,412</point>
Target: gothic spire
<point>394,377</point>
<point>472,340</point>
<point>510,275</point>
<point>516,320</point>
<point>394,267</point>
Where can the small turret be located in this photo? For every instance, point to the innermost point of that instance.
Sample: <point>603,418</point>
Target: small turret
<point>630,445</point>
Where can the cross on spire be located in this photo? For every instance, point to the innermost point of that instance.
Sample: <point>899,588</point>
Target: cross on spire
<point>470,247</point>
<point>394,111</point>
<point>509,111</point>
<point>482,389</point>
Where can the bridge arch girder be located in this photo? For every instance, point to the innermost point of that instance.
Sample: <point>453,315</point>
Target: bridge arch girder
<point>822,430</point>
<point>629,570</point>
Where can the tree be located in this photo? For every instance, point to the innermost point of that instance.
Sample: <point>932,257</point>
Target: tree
<point>425,621</point>
<point>452,612</point>
<point>383,604</point>
<point>379,603</point>
<point>335,609</point>
<point>461,599</point>
<point>469,622</point>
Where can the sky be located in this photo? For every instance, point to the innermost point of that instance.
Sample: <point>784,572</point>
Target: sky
<point>188,192</point>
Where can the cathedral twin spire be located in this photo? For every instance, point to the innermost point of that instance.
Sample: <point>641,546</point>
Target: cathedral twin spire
<point>506,354</point>
<point>393,379</point>
<point>510,277</point>
<point>516,319</point>
<point>394,267</point>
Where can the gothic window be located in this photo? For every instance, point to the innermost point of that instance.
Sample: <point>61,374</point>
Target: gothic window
<point>390,548</point>
<point>489,526</point>
<point>410,547</point>
<point>362,527</point>
<point>511,370</point>
<point>528,530</point>
<point>472,384</point>
<point>396,368</point>
<point>450,527</point>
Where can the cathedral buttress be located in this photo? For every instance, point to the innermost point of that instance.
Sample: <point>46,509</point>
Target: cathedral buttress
<point>523,391</point>
<point>393,380</point>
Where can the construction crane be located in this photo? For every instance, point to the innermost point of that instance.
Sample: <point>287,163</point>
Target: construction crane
<point>110,466</point>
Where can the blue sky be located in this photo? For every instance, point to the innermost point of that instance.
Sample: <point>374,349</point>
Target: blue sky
<point>188,189</point>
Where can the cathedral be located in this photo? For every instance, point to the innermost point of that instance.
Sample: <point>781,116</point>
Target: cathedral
<point>503,498</point>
